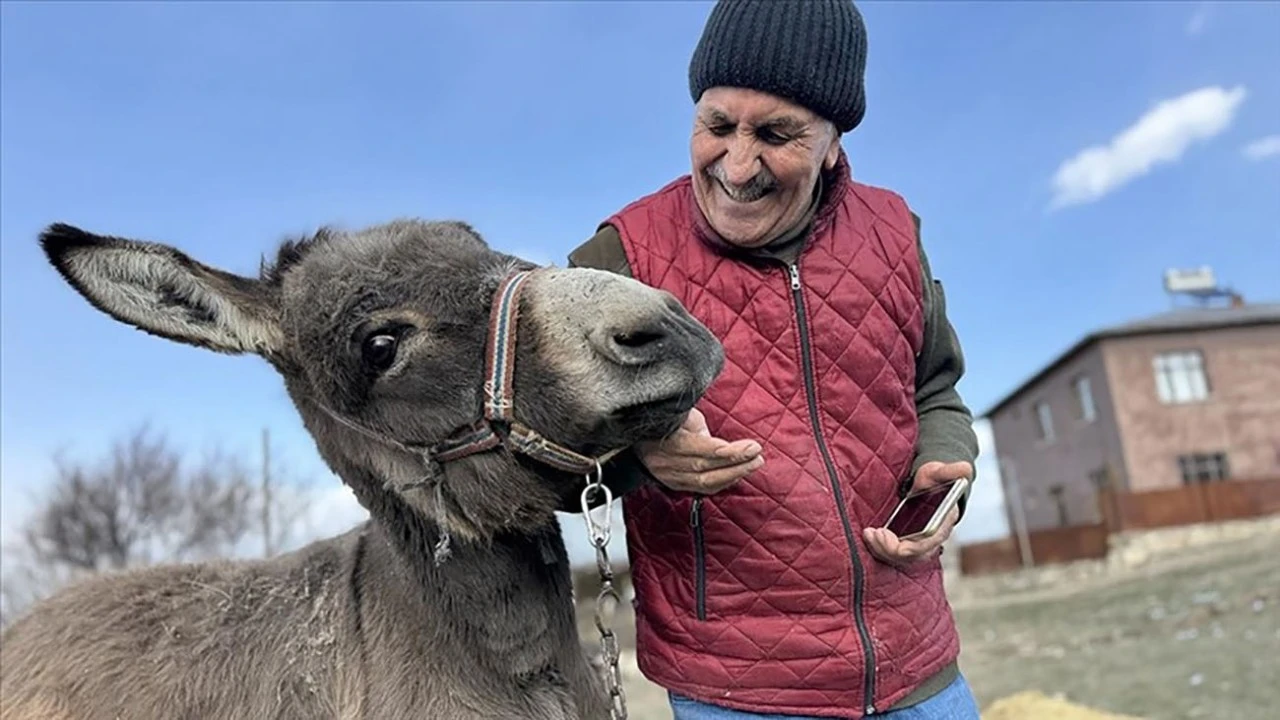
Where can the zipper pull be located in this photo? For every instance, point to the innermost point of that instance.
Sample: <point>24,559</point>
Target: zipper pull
<point>695,513</point>
<point>794,269</point>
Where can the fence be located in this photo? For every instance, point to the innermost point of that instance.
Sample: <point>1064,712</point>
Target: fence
<point>1055,545</point>
<point>1207,502</point>
<point>1121,511</point>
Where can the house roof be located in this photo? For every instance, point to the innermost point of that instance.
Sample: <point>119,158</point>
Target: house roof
<point>1172,321</point>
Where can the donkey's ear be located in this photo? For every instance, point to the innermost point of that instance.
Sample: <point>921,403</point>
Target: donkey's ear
<point>161,290</point>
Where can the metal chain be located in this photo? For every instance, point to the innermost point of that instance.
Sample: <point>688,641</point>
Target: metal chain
<point>599,533</point>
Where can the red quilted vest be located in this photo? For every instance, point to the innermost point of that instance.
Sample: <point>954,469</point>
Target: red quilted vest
<point>764,597</point>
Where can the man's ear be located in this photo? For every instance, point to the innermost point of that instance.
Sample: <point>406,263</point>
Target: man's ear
<point>833,151</point>
<point>161,290</point>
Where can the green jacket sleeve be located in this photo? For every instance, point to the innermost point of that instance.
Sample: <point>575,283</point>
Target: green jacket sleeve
<point>946,423</point>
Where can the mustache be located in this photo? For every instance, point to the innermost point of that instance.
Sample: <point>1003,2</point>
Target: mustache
<point>760,184</point>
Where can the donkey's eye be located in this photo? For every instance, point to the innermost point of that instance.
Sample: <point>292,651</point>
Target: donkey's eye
<point>380,350</point>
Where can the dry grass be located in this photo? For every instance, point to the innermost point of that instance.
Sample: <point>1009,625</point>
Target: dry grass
<point>1186,639</point>
<point>1196,636</point>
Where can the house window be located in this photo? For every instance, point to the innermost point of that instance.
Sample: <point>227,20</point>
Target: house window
<point>1203,467</point>
<point>1180,377</point>
<point>1085,409</point>
<point>1044,421</point>
<point>1060,501</point>
<point>1100,478</point>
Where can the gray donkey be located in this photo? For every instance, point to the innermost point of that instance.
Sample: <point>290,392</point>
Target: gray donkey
<point>464,395</point>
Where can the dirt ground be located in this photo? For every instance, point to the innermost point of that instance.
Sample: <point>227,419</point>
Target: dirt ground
<point>1194,635</point>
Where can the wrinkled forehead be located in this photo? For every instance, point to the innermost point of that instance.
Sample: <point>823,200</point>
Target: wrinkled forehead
<point>754,107</point>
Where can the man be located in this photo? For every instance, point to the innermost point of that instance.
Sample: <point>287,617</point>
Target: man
<point>765,586</point>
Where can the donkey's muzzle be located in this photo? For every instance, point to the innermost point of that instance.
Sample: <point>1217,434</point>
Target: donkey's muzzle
<point>654,329</point>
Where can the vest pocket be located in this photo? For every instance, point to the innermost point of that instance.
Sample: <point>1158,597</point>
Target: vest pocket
<point>699,558</point>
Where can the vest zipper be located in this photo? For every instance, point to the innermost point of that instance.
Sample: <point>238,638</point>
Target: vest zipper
<point>811,395</point>
<point>699,559</point>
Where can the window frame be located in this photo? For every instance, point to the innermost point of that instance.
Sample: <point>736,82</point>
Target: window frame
<point>1202,468</point>
<point>1045,431</point>
<point>1187,365</point>
<point>1083,380</point>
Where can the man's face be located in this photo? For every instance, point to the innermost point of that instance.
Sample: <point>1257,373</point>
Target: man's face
<point>756,159</point>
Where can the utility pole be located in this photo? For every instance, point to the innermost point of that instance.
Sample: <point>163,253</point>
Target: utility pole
<point>266,492</point>
<point>1009,476</point>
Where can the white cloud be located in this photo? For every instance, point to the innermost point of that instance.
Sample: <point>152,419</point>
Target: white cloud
<point>1160,137</point>
<point>330,509</point>
<point>1198,19</point>
<point>1262,148</point>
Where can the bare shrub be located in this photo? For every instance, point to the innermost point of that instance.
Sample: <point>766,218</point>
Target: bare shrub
<point>140,505</point>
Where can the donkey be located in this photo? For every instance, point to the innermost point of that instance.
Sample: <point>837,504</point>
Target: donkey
<point>463,394</point>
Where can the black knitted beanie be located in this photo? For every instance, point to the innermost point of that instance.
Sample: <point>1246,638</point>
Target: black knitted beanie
<point>811,52</point>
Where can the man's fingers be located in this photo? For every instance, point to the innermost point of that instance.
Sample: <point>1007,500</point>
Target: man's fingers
<point>885,541</point>
<point>936,540</point>
<point>716,480</point>
<point>692,460</point>
<point>949,524</point>
<point>889,548</point>
<point>918,549</point>
<point>696,423</point>
<point>883,544</point>
<point>934,473</point>
<point>924,548</point>
<point>686,444</point>
<point>706,446</point>
<point>709,482</point>
<point>702,465</point>
<point>732,454</point>
<point>713,481</point>
<point>693,439</point>
<point>741,449</point>
<point>695,465</point>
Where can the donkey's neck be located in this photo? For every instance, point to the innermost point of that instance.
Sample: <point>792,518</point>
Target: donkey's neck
<point>508,601</point>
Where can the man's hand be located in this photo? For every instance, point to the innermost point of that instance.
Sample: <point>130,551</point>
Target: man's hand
<point>890,549</point>
<point>691,460</point>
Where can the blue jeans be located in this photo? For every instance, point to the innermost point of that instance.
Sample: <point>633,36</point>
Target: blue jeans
<point>955,702</point>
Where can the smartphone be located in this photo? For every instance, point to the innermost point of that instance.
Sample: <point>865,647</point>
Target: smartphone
<point>921,513</point>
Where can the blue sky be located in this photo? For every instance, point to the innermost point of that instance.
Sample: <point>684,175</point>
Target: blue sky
<point>222,128</point>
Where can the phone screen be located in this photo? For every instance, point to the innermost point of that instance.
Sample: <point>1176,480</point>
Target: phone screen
<point>917,509</point>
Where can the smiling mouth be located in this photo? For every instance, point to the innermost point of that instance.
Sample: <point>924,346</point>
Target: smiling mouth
<point>746,196</point>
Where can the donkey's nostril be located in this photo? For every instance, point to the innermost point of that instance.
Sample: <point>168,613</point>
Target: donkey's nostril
<point>637,338</point>
<point>634,343</point>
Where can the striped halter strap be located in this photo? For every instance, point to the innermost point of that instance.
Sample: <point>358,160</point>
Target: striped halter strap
<point>498,425</point>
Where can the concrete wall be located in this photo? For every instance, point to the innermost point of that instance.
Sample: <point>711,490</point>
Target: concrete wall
<point>1078,449</point>
<point>1240,416</point>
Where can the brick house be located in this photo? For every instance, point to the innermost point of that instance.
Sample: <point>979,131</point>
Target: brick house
<point>1186,396</point>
